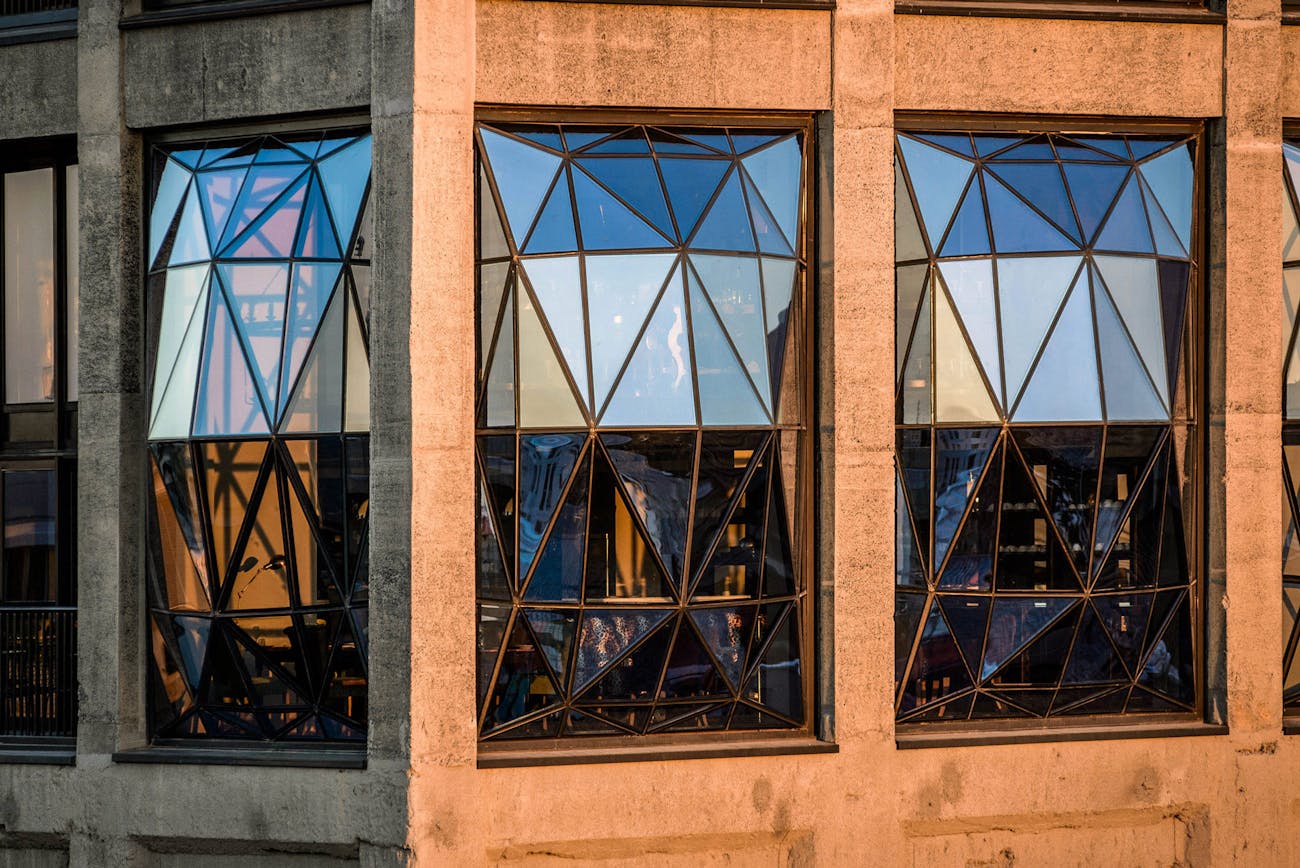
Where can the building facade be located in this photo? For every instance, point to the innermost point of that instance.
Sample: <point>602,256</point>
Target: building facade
<point>468,433</point>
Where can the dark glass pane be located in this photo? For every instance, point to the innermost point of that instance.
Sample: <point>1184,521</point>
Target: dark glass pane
<point>621,563</point>
<point>937,669</point>
<point>656,471</point>
<point>557,576</point>
<point>30,523</point>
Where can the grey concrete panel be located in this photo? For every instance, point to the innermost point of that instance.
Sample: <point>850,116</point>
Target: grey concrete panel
<point>39,97</point>
<point>304,61</point>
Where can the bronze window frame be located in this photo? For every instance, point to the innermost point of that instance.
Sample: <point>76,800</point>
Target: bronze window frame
<point>814,736</point>
<point>1196,492</point>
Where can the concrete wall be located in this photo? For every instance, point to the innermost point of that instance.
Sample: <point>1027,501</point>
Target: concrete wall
<point>421,70</point>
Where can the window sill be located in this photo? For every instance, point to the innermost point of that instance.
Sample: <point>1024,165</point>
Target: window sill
<point>221,9</point>
<point>61,26</point>
<point>1095,729</point>
<point>51,752</point>
<point>814,5</point>
<point>620,751</point>
<point>1168,13</point>
<point>244,755</point>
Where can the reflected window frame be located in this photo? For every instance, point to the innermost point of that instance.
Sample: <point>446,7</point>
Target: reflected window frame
<point>923,721</point>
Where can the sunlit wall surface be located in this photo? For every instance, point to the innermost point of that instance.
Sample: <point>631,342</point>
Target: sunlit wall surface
<point>1046,412</point>
<point>641,419</point>
<point>258,301</point>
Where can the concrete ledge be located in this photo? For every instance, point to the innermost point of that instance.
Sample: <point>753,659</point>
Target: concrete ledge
<point>39,755</point>
<point>929,735</point>
<point>1157,12</point>
<point>319,758</point>
<point>627,751</point>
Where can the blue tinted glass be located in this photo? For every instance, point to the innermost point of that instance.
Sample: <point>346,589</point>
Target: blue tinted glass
<point>1146,147</point>
<point>778,287</point>
<point>576,140</point>
<point>228,401</point>
<point>1093,189</point>
<point>554,231</point>
<point>310,290</point>
<point>170,191</point>
<point>690,186</point>
<point>217,193</point>
<point>953,142</point>
<point>1063,387</point>
<point>523,174</point>
<point>1016,228</point>
<point>546,462</point>
<point>1167,243</point>
<point>558,287</point>
<point>316,237</point>
<point>938,178</point>
<point>1170,178</point>
<point>970,286</point>
<point>744,142</point>
<point>777,172</point>
<point>1134,288</point>
<point>258,295</point>
<point>606,223</point>
<point>1127,389</point>
<point>629,143</point>
<point>620,292</point>
<point>262,187</point>
<point>770,239</point>
<point>716,141</point>
<point>969,235</point>
<point>1015,623</point>
<point>657,386</point>
<point>191,243</point>
<point>187,158</point>
<point>635,180</point>
<point>726,226</point>
<point>345,174</point>
<point>988,145</point>
<point>1041,185</point>
<point>549,140</point>
<point>1126,227</point>
<point>667,143</point>
<point>1030,290</point>
<point>726,394</point>
<point>1110,144</point>
<point>1038,150</point>
<point>960,456</point>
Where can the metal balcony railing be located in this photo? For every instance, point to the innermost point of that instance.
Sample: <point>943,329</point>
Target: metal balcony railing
<point>38,672</point>
<point>29,7</point>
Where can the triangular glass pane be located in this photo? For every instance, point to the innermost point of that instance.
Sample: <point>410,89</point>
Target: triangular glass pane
<point>908,241</point>
<point>217,193</point>
<point>1014,623</point>
<point>345,175</point>
<point>576,140</point>
<point>777,172</point>
<point>691,672</point>
<point>1125,617</point>
<point>316,239</point>
<point>498,453</point>
<point>192,643</point>
<point>1039,664</point>
<point>970,285</point>
<point>727,396</point>
<point>746,143</point>
<point>554,631</point>
<point>727,225</point>
<point>960,458</point>
<point>1063,386</point>
<point>656,387</point>
<point>606,223</point>
<point>1093,658</point>
<point>960,392</point>
<point>1093,188</point>
<point>909,571</point>
<point>656,469</point>
<point>492,236</point>
<point>1110,144</point>
<point>1170,177</point>
<point>690,184</point>
<point>557,283</point>
<point>546,464</point>
<point>716,141</point>
<point>262,187</point>
<point>734,566</point>
<point>777,682</point>
<point>1030,290</point>
<point>778,565</point>
<point>913,460</point>
<point>557,576</point>
<point>491,290</point>
<point>968,618</point>
<point>1016,227</point>
<point>1041,185</point>
<point>523,174</point>
<point>1129,393</point>
<point>778,292</point>
<point>987,145</point>
<point>1064,463</point>
<point>1030,554</point>
<point>667,143</point>
<point>317,402</point>
<point>937,670</point>
<point>356,408</point>
<point>969,565</point>
<point>636,181</point>
<point>631,142</point>
<point>938,179</point>
<point>622,565</point>
<point>554,232</point>
<point>523,683</point>
<point>493,583</point>
<point>1173,300</point>
<point>724,458</point>
<point>171,189</point>
<point>604,637</point>
<point>230,471</point>
<point>1167,243</point>
<point>499,400</point>
<point>732,284</point>
<point>258,574</point>
<point>915,390</point>
<point>769,237</point>
<point>1135,289</point>
<point>909,283</point>
<point>1126,515</point>
<point>969,235</point>
<point>620,292</point>
<point>1035,149</point>
<point>1168,668</point>
<point>546,399</point>
<point>258,294</point>
<point>191,244</point>
<point>634,678</point>
<point>959,142</point>
<point>908,609</point>
<point>185,298</point>
<point>271,235</point>
<point>310,290</point>
<point>1126,228</point>
<point>228,401</point>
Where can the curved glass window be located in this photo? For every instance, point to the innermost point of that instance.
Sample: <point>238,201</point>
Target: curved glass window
<point>258,446</point>
<point>641,444</point>
<point>1046,426</point>
<point>1290,429</point>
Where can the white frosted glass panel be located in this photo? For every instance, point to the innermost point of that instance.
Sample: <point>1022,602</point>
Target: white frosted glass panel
<point>29,286</point>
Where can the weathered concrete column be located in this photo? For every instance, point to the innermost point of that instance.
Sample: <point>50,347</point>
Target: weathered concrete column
<point>111,478</point>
